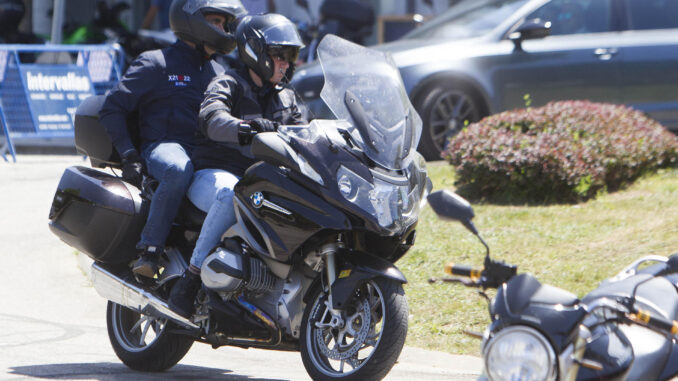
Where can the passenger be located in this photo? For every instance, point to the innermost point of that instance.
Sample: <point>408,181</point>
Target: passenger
<point>166,87</point>
<point>268,46</point>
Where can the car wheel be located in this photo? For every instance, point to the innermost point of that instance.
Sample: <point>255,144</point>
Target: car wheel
<point>444,111</point>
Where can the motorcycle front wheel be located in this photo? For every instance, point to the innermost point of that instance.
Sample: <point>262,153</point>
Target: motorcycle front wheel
<point>364,341</point>
<point>143,342</point>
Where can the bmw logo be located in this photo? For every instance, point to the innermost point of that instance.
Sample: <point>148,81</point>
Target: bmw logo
<point>257,199</point>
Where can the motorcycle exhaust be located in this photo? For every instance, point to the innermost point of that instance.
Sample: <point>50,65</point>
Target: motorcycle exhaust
<point>118,291</point>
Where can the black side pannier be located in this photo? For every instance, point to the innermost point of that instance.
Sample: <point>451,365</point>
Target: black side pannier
<point>98,214</point>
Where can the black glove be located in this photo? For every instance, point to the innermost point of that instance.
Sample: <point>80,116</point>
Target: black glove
<point>263,125</point>
<point>245,134</point>
<point>131,169</point>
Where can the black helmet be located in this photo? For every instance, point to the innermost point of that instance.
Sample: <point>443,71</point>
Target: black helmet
<point>11,13</point>
<point>257,35</point>
<point>187,20</point>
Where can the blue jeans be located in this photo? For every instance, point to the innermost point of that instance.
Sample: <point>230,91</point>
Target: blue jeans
<point>212,192</point>
<point>170,165</point>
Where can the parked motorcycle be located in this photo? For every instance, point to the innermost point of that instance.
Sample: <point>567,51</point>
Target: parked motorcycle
<point>309,265</point>
<point>623,330</point>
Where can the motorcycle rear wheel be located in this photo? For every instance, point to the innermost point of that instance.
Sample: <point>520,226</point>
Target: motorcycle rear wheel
<point>143,342</point>
<point>367,344</point>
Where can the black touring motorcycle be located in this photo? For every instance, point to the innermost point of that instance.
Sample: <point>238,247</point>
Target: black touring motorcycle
<point>625,329</point>
<point>321,219</point>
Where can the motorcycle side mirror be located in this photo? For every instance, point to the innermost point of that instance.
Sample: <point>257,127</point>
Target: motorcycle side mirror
<point>450,206</point>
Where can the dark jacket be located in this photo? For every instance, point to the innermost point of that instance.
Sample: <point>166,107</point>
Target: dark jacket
<point>166,87</point>
<point>232,99</point>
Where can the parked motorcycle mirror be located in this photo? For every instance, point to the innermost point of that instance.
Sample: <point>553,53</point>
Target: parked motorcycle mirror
<point>450,206</point>
<point>529,30</point>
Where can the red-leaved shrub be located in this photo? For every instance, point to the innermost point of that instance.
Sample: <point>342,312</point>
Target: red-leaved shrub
<point>563,152</point>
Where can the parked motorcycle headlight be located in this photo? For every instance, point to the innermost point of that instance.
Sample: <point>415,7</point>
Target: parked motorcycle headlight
<point>519,353</point>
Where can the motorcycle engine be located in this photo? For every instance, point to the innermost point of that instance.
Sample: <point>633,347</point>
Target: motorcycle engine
<point>223,271</point>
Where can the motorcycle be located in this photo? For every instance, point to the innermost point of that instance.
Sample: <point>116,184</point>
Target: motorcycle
<point>309,265</point>
<point>623,330</point>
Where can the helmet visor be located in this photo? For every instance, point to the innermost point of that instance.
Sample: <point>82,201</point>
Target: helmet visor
<point>284,53</point>
<point>282,33</point>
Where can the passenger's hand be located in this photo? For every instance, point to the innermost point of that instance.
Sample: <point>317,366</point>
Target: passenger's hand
<point>132,169</point>
<point>263,125</point>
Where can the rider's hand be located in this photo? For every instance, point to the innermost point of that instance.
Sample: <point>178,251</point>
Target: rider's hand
<point>245,134</point>
<point>131,169</point>
<point>263,125</point>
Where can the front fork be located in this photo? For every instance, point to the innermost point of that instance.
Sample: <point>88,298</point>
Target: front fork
<point>329,252</point>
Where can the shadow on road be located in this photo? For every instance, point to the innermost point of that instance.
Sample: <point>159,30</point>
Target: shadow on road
<point>115,372</point>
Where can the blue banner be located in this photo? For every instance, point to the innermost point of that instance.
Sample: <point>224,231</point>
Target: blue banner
<point>53,93</point>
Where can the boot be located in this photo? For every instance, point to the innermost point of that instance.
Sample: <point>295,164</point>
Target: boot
<point>147,264</point>
<point>184,291</point>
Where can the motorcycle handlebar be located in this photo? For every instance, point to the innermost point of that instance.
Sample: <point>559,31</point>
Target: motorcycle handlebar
<point>463,270</point>
<point>656,322</point>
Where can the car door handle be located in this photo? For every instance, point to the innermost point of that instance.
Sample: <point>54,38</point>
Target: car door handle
<point>605,54</point>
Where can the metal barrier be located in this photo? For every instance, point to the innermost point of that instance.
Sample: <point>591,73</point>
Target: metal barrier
<point>42,85</point>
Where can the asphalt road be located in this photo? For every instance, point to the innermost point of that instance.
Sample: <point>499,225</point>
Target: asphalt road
<point>52,322</point>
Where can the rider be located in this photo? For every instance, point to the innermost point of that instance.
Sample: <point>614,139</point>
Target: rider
<point>237,104</point>
<point>166,87</point>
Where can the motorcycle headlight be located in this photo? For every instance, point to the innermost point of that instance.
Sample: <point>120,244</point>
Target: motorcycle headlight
<point>519,353</point>
<point>394,205</point>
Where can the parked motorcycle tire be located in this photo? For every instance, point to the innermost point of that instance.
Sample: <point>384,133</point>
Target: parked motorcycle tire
<point>369,342</point>
<point>143,342</point>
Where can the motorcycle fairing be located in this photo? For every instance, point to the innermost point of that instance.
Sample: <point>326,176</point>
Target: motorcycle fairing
<point>652,351</point>
<point>524,300</point>
<point>671,366</point>
<point>326,151</point>
<point>273,233</point>
<point>525,289</point>
<point>610,348</point>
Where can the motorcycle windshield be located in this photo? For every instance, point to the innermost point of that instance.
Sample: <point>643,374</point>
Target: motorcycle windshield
<point>364,87</point>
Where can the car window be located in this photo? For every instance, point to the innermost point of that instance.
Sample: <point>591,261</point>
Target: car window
<point>653,14</point>
<point>472,23</point>
<point>575,16</point>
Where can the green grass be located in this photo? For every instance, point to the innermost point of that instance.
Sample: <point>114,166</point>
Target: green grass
<point>573,247</point>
